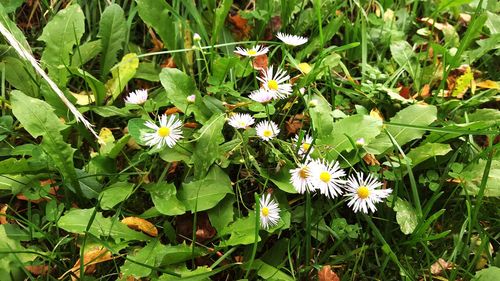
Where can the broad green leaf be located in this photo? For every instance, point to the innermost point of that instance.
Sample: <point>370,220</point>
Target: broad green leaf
<point>201,273</point>
<point>178,86</point>
<point>5,8</point>
<point>110,111</point>
<point>222,214</point>
<point>62,32</point>
<point>164,196</point>
<point>21,166</point>
<point>242,231</point>
<point>112,31</point>
<point>204,194</point>
<point>401,131</point>
<point>463,83</point>
<point>179,253</point>
<point>350,129</point>
<point>321,116</point>
<point>13,254</point>
<point>427,151</point>
<point>38,119</point>
<point>11,5</point>
<point>280,179</point>
<point>472,175</point>
<point>77,221</point>
<point>98,88</point>
<point>403,54</point>
<point>85,52</point>
<point>122,73</point>
<point>488,274</point>
<point>137,129</point>
<point>151,255</point>
<point>16,183</point>
<point>114,194</point>
<point>178,153</point>
<point>156,13</point>
<point>206,149</point>
<point>269,272</point>
<point>6,123</point>
<point>405,216</point>
<point>20,76</point>
<point>493,22</point>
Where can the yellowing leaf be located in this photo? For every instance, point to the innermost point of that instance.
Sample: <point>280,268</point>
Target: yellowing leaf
<point>463,83</point>
<point>90,259</point>
<point>3,212</point>
<point>488,84</point>
<point>122,73</point>
<point>304,67</point>
<point>375,113</point>
<point>106,136</point>
<point>141,225</point>
<point>84,98</point>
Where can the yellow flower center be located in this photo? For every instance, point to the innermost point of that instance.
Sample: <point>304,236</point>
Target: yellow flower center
<point>305,146</point>
<point>272,84</point>
<point>363,192</point>
<point>325,176</point>
<point>267,133</point>
<point>304,173</point>
<point>265,211</point>
<point>252,52</point>
<point>243,124</point>
<point>164,132</point>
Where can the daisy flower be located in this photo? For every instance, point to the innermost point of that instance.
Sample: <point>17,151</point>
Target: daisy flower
<point>292,40</point>
<point>137,97</point>
<point>326,176</point>
<point>267,130</point>
<point>262,96</point>
<point>275,82</point>
<point>269,212</point>
<point>301,178</point>
<point>305,145</point>
<point>168,133</point>
<point>241,121</point>
<point>253,52</point>
<point>363,192</point>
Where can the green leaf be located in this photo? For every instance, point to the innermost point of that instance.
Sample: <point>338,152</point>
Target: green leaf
<point>413,115</point>
<point>405,216</point>
<point>152,255</point>
<point>77,221</point>
<point>321,116</point>
<point>85,52</point>
<point>112,31</point>
<point>220,16</point>
<point>60,35</point>
<point>403,54</point>
<point>206,193</point>
<point>156,13</point>
<point>6,8</point>
<point>38,119</point>
<point>269,272</point>
<point>427,151</point>
<point>473,174</point>
<point>179,253</point>
<point>21,166</point>
<point>350,129</point>
<point>137,129</point>
<point>222,214</point>
<point>114,194</point>
<point>206,149</point>
<point>201,273</point>
<point>20,76</point>
<point>11,5</point>
<point>164,196</point>
<point>242,231</point>
<point>13,255</point>
<point>178,86</point>
<point>122,73</point>
<point>488,274</point>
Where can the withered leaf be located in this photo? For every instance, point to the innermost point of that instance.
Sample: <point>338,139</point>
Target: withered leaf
<point>441,265</point>
<point>141,225</point>
<point>326,274</point>
<point>3,214</point>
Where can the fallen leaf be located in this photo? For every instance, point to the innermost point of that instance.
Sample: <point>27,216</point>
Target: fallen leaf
<point>172,110</point>
<point>3,214</point>
<point>436,25</point>
<point>326,274</point>
<point>157,44</point>
<point>191,125</point>
<point>375,113</point>
<point>260,63</point>
<point>464,19</point>
<point>204,229</point>
<point>425,91</point>
<point>52,191</point>
<point>141,225</point>
<point>241,28</point>
<point>273,26</point>
<point>463,83</point>
<point>84,98</point>
<point>438,267</point>
<point>488,84</point>
<point>405,92</point>
<point>294,124</point>
<point>371,160</point>
<point>37,269</point>
<point>169,63</point>
<point>90,259</point>
<point>304,67</point>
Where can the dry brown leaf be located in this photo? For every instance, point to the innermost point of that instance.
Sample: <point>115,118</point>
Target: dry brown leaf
<point>158,45</point>
<point>3,214</point>
<point>438,267</point>
<point>371,160</point>
<point>241,27</point>
<point>425,91</point>
<point>260,62</point>
<point>172,110</point>
<point>436,25</point>
<point>464,19</point>
<point>52,191</point>
<point>37,269</point>
<point>488,84</point>
<point>294,124</point>
<point>326,274</point>
<point>204,229</point>
<point>405,92</point>
<point>169,63</point>
<point>141,225</point>
<point>191,125</point>
<point>90,259</point>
